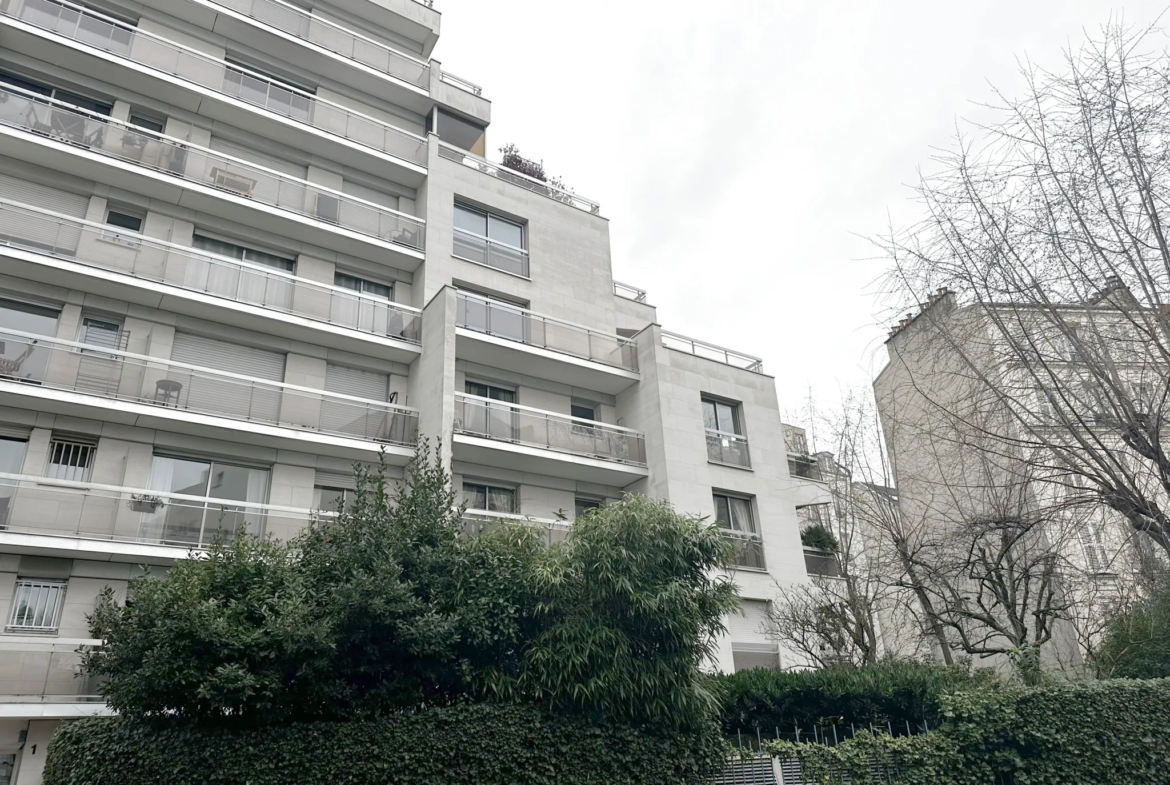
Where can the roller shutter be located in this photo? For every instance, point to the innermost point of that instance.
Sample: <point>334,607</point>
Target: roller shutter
<point>228,397</point>
<point>21,228</point>
<point>353,381</point>
<point>359,191</point>
<point>353,417</point>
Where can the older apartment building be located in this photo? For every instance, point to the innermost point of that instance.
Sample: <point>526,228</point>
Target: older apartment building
<point>246,243</point>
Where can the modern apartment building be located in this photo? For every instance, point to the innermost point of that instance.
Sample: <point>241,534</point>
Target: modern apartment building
<point>246,243</point>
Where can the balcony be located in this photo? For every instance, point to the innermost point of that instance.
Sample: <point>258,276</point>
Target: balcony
<point>749,549</point>
<point>516,339</point>
<point>472,247</point>
<point>71,378</point>
<point>148,63</point>
<point>223,184</point>
<point>710,351</point>
<point>822,563</point>
<point>519,437</point>
<point>476,522</point>
<point>473,161</point>
<point>628,292</point>
<point>40,677</point>
<point>728,448</point>
<point>88,520</point>
<point>804,467</point>
<point>89,247</point>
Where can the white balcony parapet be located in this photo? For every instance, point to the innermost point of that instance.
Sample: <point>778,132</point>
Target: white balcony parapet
<point>105,247</point>
<point>133,516</point>
<point>172,157</point>
<point>523,326</point>
<point>55,364</point>
<point>712,352</point>
<point>629,292</point>
<point>462,84</point>
<point>476,522</point>
<point>452,153</point>
<point>523,425</point>
<point>93,29</point>
<point>329,35</point>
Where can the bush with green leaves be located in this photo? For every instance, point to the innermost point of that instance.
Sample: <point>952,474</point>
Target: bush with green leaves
<point>390,605</point>
<point>897,692</point>
<point>484,744</point>
<point>1137,641</point>
<point>818,536</point>
<point>1113,732</point>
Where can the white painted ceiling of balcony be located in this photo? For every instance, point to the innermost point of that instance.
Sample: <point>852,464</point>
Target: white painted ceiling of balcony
<point>743,156</point>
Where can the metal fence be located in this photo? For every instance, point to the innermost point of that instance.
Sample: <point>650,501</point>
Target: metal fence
<point>712,352</point>
<point>524,181</point>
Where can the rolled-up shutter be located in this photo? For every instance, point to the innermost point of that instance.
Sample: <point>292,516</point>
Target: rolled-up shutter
<point>24,228</point>
<point>353,417</point>
<point>751,644</point>
<point>219,395</point>
<point>354,381</point>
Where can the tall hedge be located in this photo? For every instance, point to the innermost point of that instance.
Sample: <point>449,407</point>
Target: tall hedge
<point>1094,733</point>
<point>483,744</point>
<point>896,692</point>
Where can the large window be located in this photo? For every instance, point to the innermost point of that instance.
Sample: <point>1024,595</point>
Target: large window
<point>20,357</point>
<point>582,506</point>
<point>56,93</point>
<point>235,251</point>
<point>329,499</point>
<point>195,521</point>
<point>494,420</point>
<point>36,607</point>
<point>493,498</point>
<point>490,239</point>
<point>735,515</point>
<point>724,426</point>
<point>371,288</point>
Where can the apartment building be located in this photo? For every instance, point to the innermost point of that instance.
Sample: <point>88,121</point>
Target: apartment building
<point>246,243</point>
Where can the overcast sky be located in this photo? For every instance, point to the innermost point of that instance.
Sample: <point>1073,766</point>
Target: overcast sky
<point>744,151</point>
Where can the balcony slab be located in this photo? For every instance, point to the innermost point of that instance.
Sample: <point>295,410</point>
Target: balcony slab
<point>551,463</point>
<point>541,363</point>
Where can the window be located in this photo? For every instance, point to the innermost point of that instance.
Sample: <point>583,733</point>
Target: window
<point>372,288</point>
<point>583,411</point>
<point>194,521</point>
<point>493,498</point>
<point>493,420</point>
<point>102,333</point>
<point>20,357</point>
<point>1093,541</point>
<point>56,93</point>
<point>725,442</point>
<point>36,606</point>
<point>71,459</point>
<point>582,506</point>
<point>489,239</point>
<point>332,499</point>
<point>243,253</point>
<point>124,220</point>
<point>461,133</point>
<point>734,514</point>
<point>484,390</point>
<point>11,462</point>
<point>146,123</point>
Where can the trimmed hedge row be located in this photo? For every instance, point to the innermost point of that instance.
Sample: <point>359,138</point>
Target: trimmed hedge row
<point>896,692</point>
<point>483,744</point>
<point>1095,733</point>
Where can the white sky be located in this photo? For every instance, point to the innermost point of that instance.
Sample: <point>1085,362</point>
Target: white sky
<point>743,151</point>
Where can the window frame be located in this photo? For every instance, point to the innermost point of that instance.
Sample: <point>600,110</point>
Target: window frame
<point>363,282</point>
<point>736,415</point>
<point>61,587</point>
<point>488,216</point>
<point>244,249</point>
<point>70,448</point>
<point>487,486</point>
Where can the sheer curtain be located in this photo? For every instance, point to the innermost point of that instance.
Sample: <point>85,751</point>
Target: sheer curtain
<point>154,524</point>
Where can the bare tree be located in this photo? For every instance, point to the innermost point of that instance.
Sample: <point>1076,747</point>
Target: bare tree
<point>1042,271</point>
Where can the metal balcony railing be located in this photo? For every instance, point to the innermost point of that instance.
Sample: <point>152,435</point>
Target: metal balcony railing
<point>518,324</point>
<point>749,549</point>
<point>173,157</point>
<point>88,27</point>
<point>476,522</point>
<point>804,468</point>
<point>712,352</point>
<point>477,248</point>
<point>91,511</point>
<point>629,292</point>
<point>54,364</point>
<point>524,181</point>
<point>329,35</point>
<point>108,248</point>
<point>462,84</point>
<point>728,448</point>
<point>510,422</point>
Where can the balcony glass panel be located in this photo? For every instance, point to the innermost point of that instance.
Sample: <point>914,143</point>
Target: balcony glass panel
<point>477,522</point>
<point>749,550</point>
<point>55,120</point>
<point>501,421</point>
<point>95,29</point>
<point>41,231</point>
<point>728,448</point>
<point>154,381</point>
<point>517,324</point>
<point>474,248</point>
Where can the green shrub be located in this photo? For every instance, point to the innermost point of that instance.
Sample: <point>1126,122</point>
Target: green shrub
<point>895,692</point>
<point>1096,733</point>
<point>483,744</point>
<point>817,536</point>
<point>1137,642</point>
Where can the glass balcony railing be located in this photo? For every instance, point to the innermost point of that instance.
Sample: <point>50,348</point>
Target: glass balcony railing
<point>479,249</point>
<point>89,511</point>
<point>728,448</point>
<point>116,37</point>
<point>108,248</point>
<point>509,422</point>
<point>804,468</point>
<point>476,522</point>
<point>45,676</point>
<point>114,139</point>
<point>67,365</point>
<point>749,549</point>
<point>712,352</point>
<point>516,178</point>
<point>523,326</point>
<point>341,41</point>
